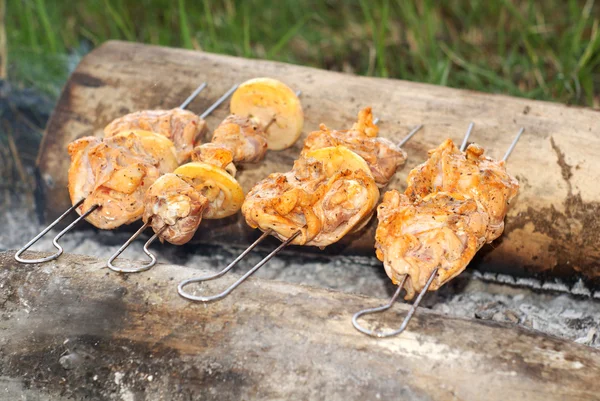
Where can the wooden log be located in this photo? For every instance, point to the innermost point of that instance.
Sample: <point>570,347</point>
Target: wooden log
<point>72,329</point>
<point>554,224</point>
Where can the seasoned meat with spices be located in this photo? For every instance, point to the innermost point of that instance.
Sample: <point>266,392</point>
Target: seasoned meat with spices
<point>442,230</point>
<point>454,203</point>
<point>246,139</point>
<point>182,127</point>
<point>324,196</point>
<point>470,173</point>
<point>174,208</point>
<point>115,173</point>
<point>382,155</point>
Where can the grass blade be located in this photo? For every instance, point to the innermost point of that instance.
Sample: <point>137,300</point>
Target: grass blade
<point>287,37</point>
<point>48,30</point>
<point>210,22</point>
<point>592,46</point>
<point>119,21</point>
<point>186,38</point>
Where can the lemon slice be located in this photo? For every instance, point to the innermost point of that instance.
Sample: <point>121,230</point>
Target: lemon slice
<point>339,158</point>
<point>273,105</point>
<point>224,193</point>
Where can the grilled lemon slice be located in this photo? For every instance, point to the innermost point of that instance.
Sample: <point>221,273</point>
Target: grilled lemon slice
<point>274,106</point>
<point>224,193</point>
<point>338,158</point>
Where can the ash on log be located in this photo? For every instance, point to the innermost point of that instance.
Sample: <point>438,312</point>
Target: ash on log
<point>72,331</point>
<point>553,226</point>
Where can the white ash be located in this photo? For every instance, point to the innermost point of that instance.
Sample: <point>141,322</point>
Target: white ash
<point>567,316</point>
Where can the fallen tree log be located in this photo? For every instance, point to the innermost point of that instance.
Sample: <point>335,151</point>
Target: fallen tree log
<point>70,329</point>
<point>553,226</point>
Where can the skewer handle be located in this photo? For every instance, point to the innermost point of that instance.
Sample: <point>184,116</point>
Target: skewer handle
<point>409,315</point>
<point>55,243</point>
<point>139,269</point>
<point>228,290</point>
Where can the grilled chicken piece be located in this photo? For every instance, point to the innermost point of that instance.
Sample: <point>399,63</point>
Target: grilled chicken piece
<point>471,174</point>
<point>176,203</point>
<point>328,193</point>
<point>442,230</point>
<point>204,188</point>
<point>81,176</point>
<point>116,172</point>
<point>174,208</point>
<point>182,127</point>
<point>382,155</point>
<point>246,140</point>
<point>216,154</point>
<point>455,202</point>
<point>236,140</point>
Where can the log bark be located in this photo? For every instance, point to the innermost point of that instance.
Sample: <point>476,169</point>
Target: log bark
<point>72,330</point>
<point>553,226</point>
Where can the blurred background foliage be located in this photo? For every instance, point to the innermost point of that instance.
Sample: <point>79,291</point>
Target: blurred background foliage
<point>546,49</point>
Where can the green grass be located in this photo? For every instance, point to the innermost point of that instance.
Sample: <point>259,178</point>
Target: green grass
<point>546,50</point>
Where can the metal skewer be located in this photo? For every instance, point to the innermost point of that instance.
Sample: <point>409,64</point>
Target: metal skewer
<point>387,306</point>
<point>142,268</point>
<point>415,305</point>
<point>513,144</point>
<point>35,239</point>
<point>466,138</point>
<point>410,135</point>
<point>191,97</point>
<point>239,281</point>
<point>55,243</point>
<point>152,257</point>
<point>218,102</point>
<point>228,290</point>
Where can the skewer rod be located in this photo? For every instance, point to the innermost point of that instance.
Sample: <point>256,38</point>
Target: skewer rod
<point>218,102</point>
<point>35,239</point>
<point>513,144</point>
<point>190,98</point>
<point>115,255</point>
<point>409,315</point>
<point>410,135</point>
<point>466,139</point>
<point>232,287</point>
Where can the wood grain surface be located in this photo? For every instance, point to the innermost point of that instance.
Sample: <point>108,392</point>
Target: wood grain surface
<point>553,226</point>
<point>73,330</point>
